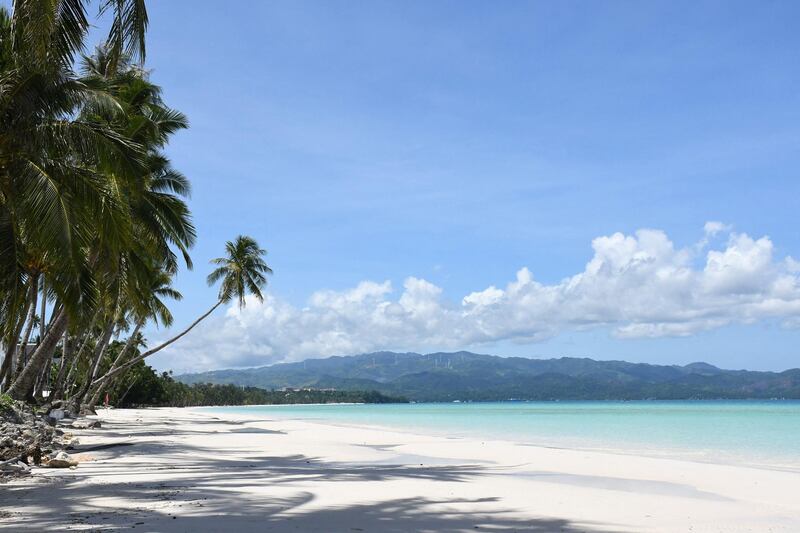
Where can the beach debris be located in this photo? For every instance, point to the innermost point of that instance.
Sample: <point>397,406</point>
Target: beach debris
<point>25,435</point>
<point>86,424</point>
<point>62,460</point>
<point>14,466</point>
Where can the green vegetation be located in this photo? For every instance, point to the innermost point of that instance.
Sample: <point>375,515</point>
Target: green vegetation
<point>144,387</point>
<point>6,402</point>
<point>469,376</point>
<point>94,222</point>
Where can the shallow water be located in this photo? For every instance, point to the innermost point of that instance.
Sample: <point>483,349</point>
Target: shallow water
<point>762,433</point>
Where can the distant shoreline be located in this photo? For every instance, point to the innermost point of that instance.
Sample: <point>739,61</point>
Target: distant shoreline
<point>760,433</point>
<point>444,402</point>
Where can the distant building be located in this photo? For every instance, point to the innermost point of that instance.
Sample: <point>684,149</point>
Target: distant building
<point>27,350</point>
<point>304,389</point>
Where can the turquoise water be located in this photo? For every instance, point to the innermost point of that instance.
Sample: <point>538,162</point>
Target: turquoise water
<point>765,433</point>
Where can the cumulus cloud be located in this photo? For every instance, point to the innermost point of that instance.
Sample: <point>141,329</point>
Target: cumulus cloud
<point>637,285</point>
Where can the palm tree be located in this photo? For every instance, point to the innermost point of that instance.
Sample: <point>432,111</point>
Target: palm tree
<point>91,210</point>
<point>49,156</point>
<point>54,164</point>
<point>242,271</point>
<point>158,214</point>
<point>142,215</point>
<point>148,305</point>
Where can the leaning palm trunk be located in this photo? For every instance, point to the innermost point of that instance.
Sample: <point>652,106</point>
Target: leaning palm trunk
<point>103,385</point>
<point>11,351</point>
<point>44,374</point>
<point>125,394</point>
<point>8,359</point>
<point>22,387</point>
<point>72,373</point>
<point>43,315</point>
<point>112,373</point>
<point>99,351</point>
<point>43,380</point>
<point>4,370</point>
<point>21,358</point>
<point>66,363</point>
<point>107,382</point>
<point>243,269</point>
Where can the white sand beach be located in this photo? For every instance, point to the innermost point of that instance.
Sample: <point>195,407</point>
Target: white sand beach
<point>189,470</point>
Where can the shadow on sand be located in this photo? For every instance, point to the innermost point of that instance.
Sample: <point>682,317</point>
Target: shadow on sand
<point>200,491</point>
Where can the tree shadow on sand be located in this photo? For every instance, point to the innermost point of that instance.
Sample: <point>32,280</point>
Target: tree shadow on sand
<point>201,493</point>
<point>199,511</point>
<point>191,488</point>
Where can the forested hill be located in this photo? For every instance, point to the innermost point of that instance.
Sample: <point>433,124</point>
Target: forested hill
<point>470,376</point>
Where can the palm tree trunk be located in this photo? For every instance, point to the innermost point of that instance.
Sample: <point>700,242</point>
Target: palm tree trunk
<point>67,354</point>
<point>125,394</point>
<point>22,387</point>
<point>8,361</point>
<point>72,373</point>
<point>44,376</point>
<point>73,369</point>
<point>99,351</point>
<point>11,349</point>
<point>21,358</point>
<point>158,348</point>
<point>43,322</point>
<point>42,380</point>
<point>4,370</point>
<point>107,382</point>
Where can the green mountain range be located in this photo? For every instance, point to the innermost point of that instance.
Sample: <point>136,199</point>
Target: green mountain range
<point>469,376</point>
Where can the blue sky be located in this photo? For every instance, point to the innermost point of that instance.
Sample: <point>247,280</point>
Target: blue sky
<point>458,142</point>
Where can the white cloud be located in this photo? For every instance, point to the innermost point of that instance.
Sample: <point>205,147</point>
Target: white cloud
<point>713,227</point>
<point>637,285</point>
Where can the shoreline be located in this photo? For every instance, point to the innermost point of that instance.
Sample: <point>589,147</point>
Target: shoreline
<point>679,454</point>
<point>175,469</point>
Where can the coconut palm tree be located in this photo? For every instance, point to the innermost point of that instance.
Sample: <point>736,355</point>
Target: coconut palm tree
<point>241,272</point>
<point>49,157</point>
<point>159,216</point>
<point>148,305</point>
<point>54,164</point>
<point>91,210</point>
